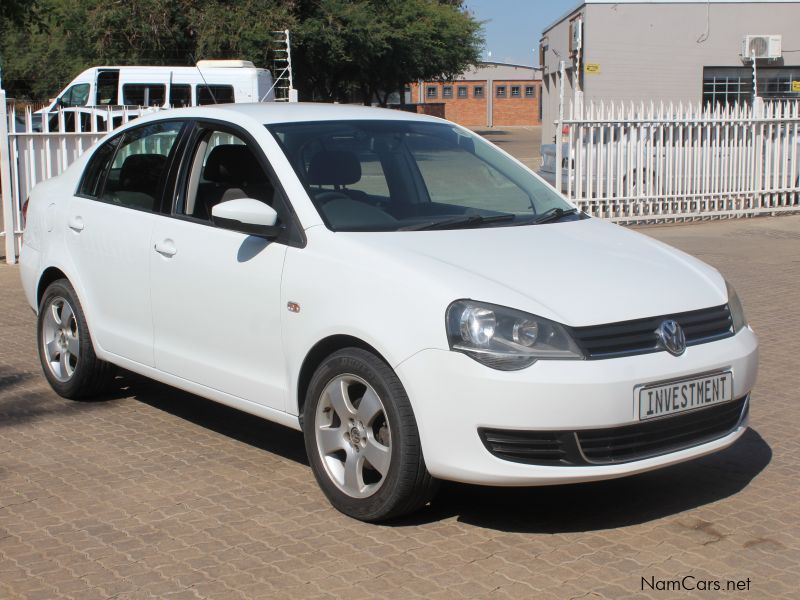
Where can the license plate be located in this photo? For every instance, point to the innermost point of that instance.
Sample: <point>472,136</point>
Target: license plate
<point>687,394</point>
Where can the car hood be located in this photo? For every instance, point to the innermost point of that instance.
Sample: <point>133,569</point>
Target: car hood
<point>584,272</point>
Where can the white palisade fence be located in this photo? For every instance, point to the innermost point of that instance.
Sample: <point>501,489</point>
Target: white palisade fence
<point>35,147</point>
<point>667,163</point>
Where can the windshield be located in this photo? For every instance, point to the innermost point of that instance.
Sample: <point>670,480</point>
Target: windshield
<point>409,175</point>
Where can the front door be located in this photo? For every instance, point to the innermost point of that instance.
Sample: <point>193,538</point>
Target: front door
<point>216,292</point>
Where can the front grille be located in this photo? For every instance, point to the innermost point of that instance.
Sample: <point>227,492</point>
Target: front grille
<point>613,445</point>
<point>660,436</point>
<point>627,338</point>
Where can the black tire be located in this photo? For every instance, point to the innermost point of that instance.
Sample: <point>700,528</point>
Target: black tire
<point>91,376</point>
<point>407,485</point>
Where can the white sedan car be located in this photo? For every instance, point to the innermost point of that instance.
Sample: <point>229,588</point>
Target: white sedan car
<point>414,300</point>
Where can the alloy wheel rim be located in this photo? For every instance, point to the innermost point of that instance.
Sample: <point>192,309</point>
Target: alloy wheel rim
<point>60,339</point>
<point>353,436</point>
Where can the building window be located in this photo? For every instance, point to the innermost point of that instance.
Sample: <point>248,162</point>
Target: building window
<point>462,91</point>
<point>530,91</point>
<point>432,91</point>
<point>477,91</point>
<point>500,91</point>
<point>447,91</point>
<point>515,91</point>
<point>734,85</point>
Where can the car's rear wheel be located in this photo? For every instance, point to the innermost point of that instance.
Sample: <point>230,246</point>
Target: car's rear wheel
<point>65,346</point>
<point>362,439</point>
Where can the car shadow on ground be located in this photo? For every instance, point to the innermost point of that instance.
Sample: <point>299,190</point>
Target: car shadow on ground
<point>553,509</point>
<point>232,423</point>
<point>604,504</point>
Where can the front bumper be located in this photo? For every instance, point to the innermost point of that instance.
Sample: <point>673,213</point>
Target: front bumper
<point>454,396</point>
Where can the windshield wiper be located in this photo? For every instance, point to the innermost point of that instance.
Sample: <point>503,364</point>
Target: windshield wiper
<point>552,214</point>
<point>459,222</point>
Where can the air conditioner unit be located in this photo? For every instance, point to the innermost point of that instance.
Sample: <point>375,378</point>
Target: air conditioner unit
<point>761,46</point>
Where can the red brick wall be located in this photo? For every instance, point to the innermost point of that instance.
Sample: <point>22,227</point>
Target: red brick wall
<point>472,112</point>
<point>520,110</point>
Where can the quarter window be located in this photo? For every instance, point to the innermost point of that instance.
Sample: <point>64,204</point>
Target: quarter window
<point>214,94</point>
<point>96,170</point>
<point>180,95</point>
<point>136,177</point>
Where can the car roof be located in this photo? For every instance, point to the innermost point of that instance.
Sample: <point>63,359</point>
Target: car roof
<point>291,112</point>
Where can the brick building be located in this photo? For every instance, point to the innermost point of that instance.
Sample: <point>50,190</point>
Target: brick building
<point>490,94</point>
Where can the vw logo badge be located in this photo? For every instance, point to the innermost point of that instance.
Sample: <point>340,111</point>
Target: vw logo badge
<point>671,337</point>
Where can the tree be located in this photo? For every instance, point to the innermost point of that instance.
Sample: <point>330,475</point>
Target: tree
<point>376,47</point>
<point>341,48</point>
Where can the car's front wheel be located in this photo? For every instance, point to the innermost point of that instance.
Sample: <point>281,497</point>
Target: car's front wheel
<point>65,347</point>
<point>362,439</point>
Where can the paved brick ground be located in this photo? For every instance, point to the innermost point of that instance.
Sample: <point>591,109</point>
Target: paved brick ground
<point>156,493</point>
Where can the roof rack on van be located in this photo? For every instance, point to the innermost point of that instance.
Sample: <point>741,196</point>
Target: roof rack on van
<point>228,64</point>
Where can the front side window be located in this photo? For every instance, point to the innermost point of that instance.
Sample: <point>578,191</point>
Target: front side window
<point>77,95</point>
<point>214,94</point>
<point>144,94</point>
<point>406,175</point>
<point>136,177</point>
<point>223,168</point>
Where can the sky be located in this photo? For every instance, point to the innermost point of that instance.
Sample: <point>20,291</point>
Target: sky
<point>515,26</point>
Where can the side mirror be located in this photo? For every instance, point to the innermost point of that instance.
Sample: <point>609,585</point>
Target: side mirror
<point>247,215</point>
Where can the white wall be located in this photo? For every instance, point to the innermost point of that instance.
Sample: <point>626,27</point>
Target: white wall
<point>656,51</point>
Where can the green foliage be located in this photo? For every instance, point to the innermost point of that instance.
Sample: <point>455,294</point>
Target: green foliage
<point>341,48</point>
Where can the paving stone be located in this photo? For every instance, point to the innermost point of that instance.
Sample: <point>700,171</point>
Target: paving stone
<point>155,493</point>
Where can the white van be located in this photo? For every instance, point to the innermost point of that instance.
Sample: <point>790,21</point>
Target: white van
<point>210,82</point>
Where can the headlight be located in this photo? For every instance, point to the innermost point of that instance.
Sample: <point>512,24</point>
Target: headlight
<point>736,308</point>
<point>504,338</point>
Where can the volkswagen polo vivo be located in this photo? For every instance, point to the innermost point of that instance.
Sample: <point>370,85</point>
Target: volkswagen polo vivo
<point>413,299</point>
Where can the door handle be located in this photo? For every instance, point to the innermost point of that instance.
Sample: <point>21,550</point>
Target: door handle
<point>76,224</point>
<point>166,248</point>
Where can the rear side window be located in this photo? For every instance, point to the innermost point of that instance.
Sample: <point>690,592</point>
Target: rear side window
<point>180,95</point>
<point>207,94</point>
<point>95,172</point>
<point>136,177</point>
<point>144,94</point>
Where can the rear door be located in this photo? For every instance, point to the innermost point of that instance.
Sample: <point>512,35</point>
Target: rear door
<point>109,225</point>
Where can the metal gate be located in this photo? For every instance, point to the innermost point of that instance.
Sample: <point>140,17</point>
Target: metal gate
<point>36,146</point>
<point>675,163</point>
